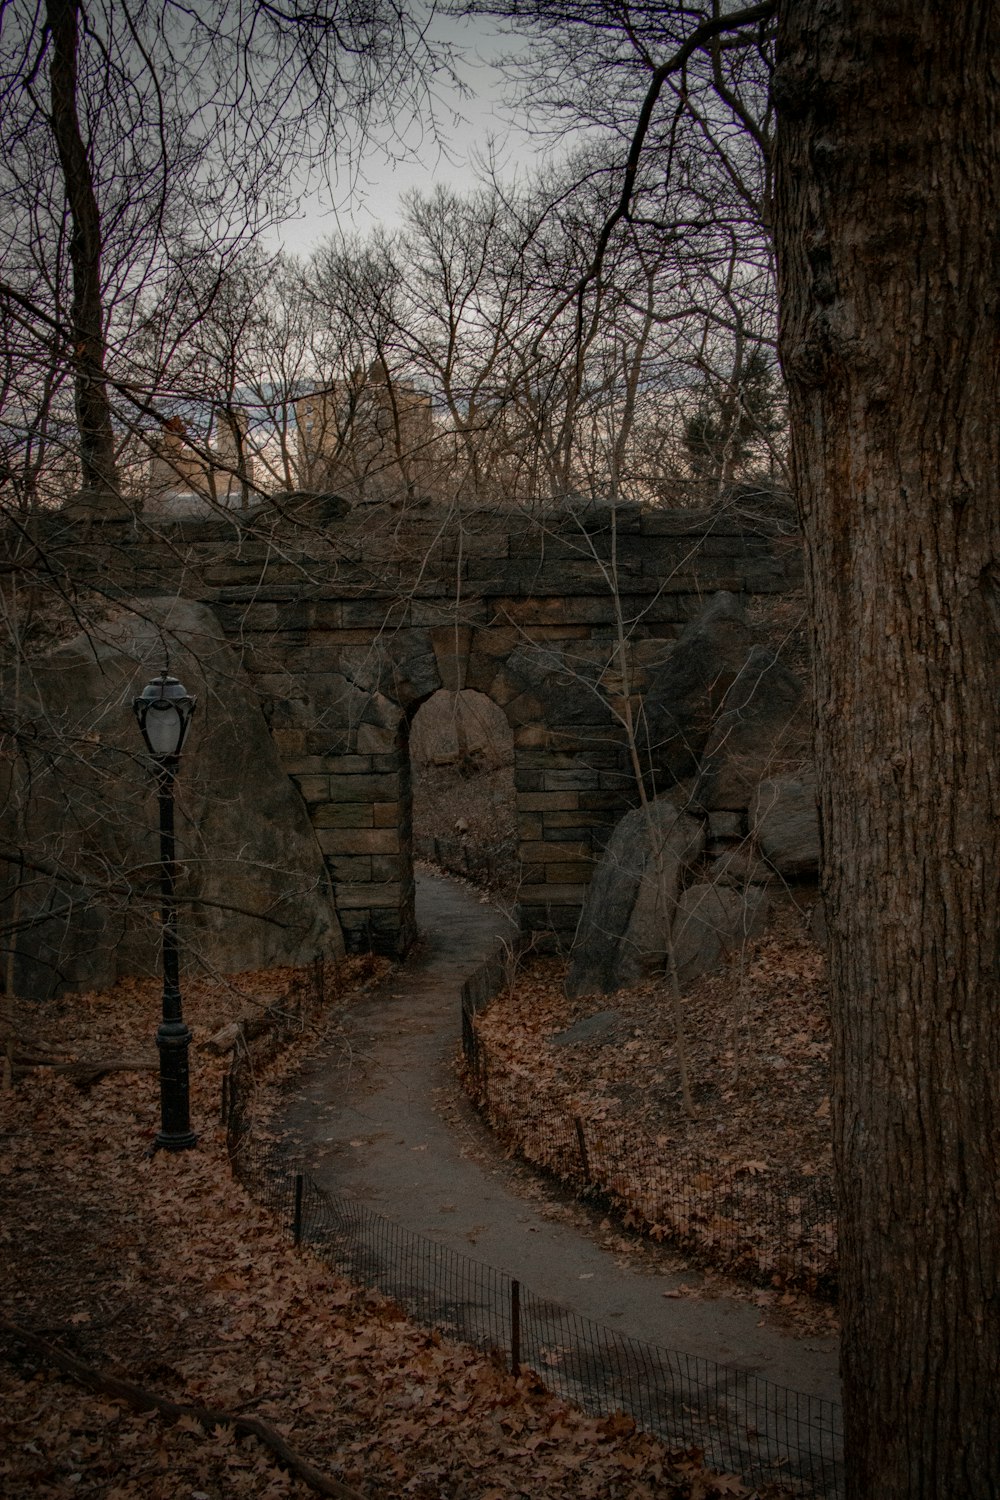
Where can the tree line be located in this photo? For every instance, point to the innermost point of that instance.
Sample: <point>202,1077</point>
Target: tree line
<point>489,348</point>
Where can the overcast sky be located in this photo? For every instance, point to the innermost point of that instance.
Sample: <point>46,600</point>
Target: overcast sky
<point>370,192</point>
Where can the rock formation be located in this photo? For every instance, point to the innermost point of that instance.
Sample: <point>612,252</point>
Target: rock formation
<point>81,810</point>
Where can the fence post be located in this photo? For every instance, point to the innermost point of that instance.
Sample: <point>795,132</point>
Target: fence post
<point>297,1219</point>
<point>582,1143</point>
<point>515,1327</point>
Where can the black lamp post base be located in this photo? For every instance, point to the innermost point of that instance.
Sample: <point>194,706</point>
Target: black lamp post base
<point>172,1040</point>
<point>173,1141</point>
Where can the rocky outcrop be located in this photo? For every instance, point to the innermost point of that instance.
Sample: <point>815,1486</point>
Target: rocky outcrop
<point>726,708</point>
<point>630,903</point>
<point>711,923</point>
<point>785,823</point>
<point>763,720</point>
<point>252,885</point>
<point>686,694</point>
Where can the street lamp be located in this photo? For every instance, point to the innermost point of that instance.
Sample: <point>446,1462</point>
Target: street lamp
<point>163,711</point>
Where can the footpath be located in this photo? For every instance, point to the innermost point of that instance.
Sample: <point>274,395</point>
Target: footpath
<point>377,1123</point>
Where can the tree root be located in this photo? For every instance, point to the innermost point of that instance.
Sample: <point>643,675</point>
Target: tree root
<point>140,1399</point>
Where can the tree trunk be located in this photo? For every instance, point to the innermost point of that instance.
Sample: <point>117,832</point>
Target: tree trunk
<point>888,205</point>
<point>98,466</point>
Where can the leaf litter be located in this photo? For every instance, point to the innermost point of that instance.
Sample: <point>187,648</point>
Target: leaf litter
<point>758,1046</point>
<point>162,1272</point>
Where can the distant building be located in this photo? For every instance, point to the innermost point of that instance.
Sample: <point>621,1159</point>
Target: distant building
<point>369,438</point>
<point>188,479</point>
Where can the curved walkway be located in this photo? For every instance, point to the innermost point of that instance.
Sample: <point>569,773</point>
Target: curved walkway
<point>366,1118</point>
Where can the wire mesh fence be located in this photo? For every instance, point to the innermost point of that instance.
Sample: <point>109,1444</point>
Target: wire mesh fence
<point>741,1422</point>
<point>734,1218</point>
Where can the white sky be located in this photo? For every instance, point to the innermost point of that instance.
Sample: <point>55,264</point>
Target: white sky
<point>468,127</point>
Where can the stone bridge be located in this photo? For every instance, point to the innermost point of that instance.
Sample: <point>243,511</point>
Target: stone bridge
<point>347,623</point>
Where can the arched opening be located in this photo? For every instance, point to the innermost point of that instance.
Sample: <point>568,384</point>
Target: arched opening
<point>464,803</point>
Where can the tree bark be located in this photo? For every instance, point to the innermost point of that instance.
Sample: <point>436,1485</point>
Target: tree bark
<point>98,466</point>
<point>888,198</point>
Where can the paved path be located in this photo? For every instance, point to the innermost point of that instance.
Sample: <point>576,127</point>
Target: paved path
<point>365,1114</point>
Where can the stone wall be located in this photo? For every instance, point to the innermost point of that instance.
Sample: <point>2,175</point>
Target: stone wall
<point>346,623</point>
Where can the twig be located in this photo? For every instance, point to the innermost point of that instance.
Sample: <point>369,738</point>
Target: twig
<point>140,1399</point>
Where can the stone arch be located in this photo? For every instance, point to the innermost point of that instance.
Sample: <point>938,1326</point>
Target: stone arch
<point>570,779</point>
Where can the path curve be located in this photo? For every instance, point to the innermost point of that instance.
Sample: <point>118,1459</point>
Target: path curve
<point>366,1118</point>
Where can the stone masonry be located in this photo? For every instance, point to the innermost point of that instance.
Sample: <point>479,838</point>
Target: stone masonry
<point>348,620</point>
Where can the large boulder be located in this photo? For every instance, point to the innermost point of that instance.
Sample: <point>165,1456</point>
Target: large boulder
<point>711,923</point>
<point>785,822</point>
<point>762,724</point>
<point>627,914</point>
<point>687,692</point>
<point>81,807</point>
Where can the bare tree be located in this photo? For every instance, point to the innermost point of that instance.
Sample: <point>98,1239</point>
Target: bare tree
<point>137,138</point>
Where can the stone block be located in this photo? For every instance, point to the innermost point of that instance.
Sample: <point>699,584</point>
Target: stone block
<point>541,850</point>
<point>334,639</point>
<point>370,788</point>
<point>529,825</point>
<point>346,867</point>
<point>306,765</point>
<point>376,739</point>
<point>562,873</point>
<point>550,801</point>
<point>554,821</point>
<point>451,649</point>
<point>350,765</point>
<point>604,801</point>
<point>387,814</point>
<point>546,760</point>
<point>388,867</point>
<point>328,614</point>
<point>576,833</point>
<point>289,742</point>
<point>313,788</point>
<point>380,614</point>
<point>531,737</point>
<point>415,678</point>
<point>544,894</point>
<point>582,778</point>
<point>370,841</point>
<point>368,894</point>
<point>294,614</point>
<point>343,815</point>
<point>436,608</point>
<point>325,742</point>
<point>522,708</point>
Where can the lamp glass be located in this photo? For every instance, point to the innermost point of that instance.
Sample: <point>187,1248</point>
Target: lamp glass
<point>164,728</point>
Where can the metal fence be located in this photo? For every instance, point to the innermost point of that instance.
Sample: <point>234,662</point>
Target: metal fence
<point>734,1218</point>
<point>742,1423</point>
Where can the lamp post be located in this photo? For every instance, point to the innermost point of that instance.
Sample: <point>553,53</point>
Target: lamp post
<point>163,711</point>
